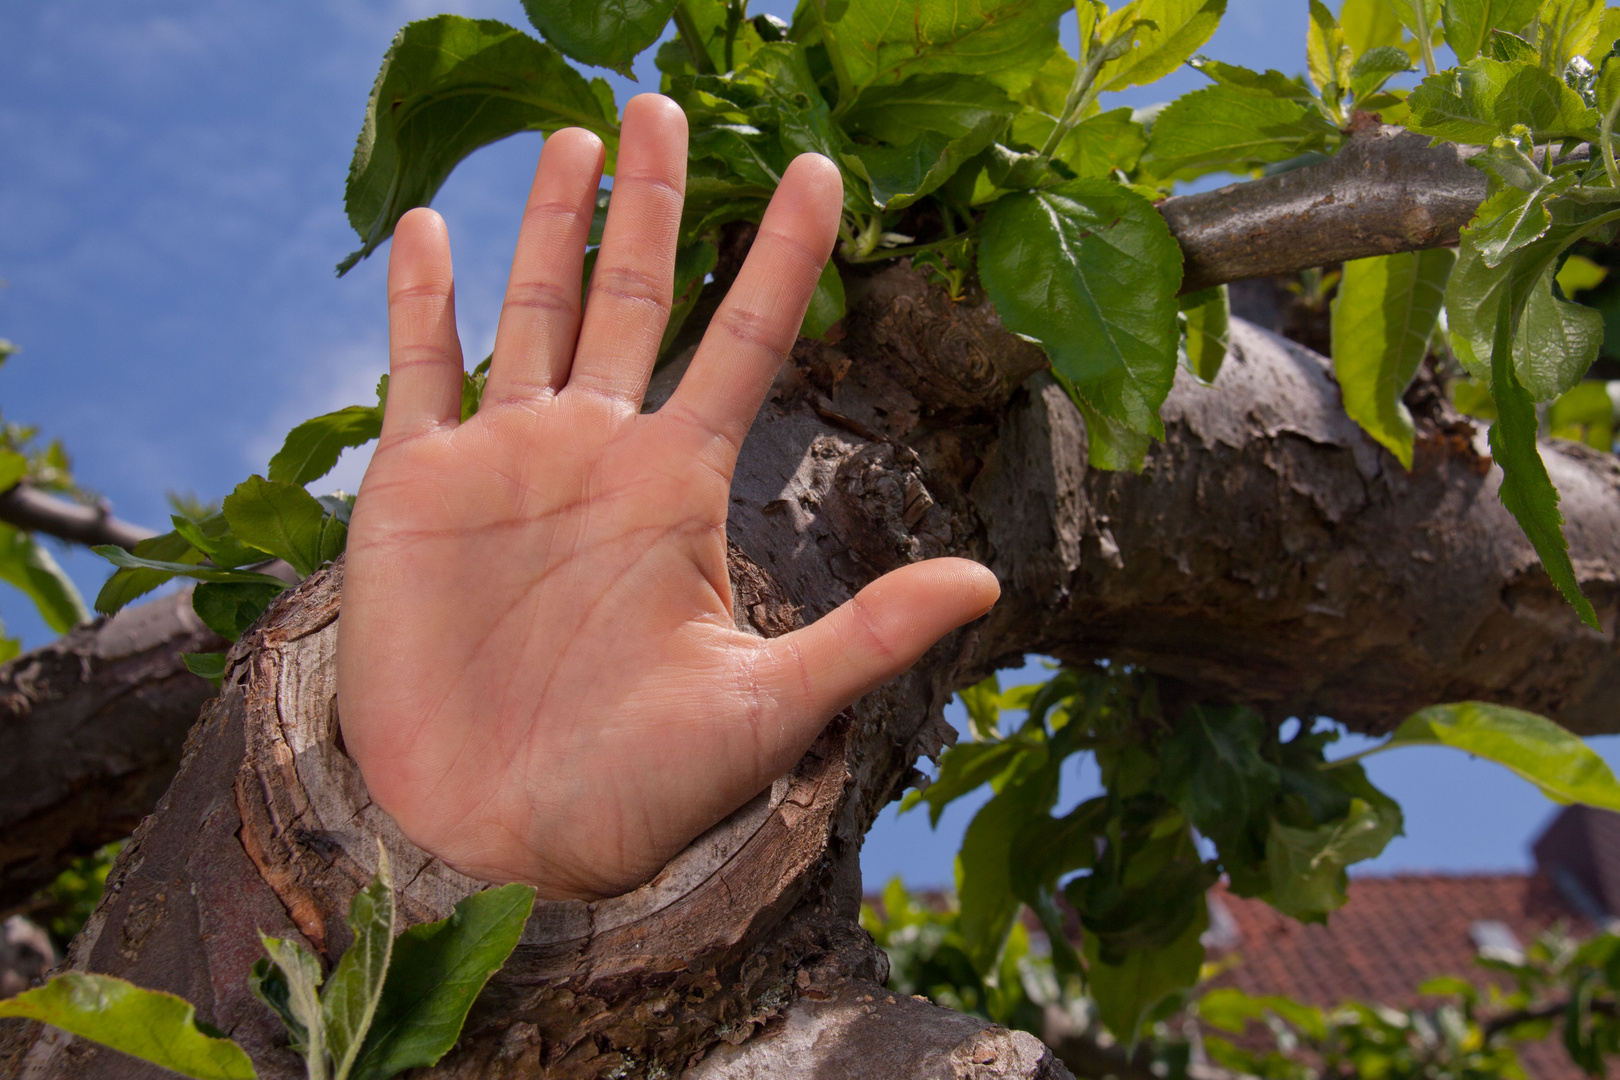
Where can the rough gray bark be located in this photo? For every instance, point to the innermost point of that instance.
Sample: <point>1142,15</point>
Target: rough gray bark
<point>1385,191</point>
<point>1268,550</point>
<point>92,727</point>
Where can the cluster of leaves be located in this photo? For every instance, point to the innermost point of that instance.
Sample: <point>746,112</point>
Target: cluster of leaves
<point>389,1004</point>
<point>24,562</point>
<point>1537,89</point>
<point>968,138</point>
<point>1210,790</point>
<point>1558,984</point>
<point>229,550</point>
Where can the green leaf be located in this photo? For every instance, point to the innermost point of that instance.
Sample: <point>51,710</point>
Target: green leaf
<point>209,665</point>
<point>1556,342</point>
<point>140,577</point>
<point>29,567</point>
<point>983,703</point>
<point>1178,29</point>
<point>13,467</point>
<point>286,521</point>
<point>1559,763</point>
<point>1095,147</point>
<point>1328,56</point>
<point>229,608</point>
<point>1566,29</point>
<point>1089,269</point>
<point>290,985</point>
<point>312,448</point>
<point>1308,865</point>
<point>448,86</point>
<point>967,766</point>
<point>1369,25</point>
<point>119,557</point>
<point>1579,273</point>
<point>1269,83</point>
<point>1126,992</point>
<point>1418,15</point>
<point>1383,317</point>
<point>1509,48</point>
<point>900,175</point>
<point>147,1024</point>
<point>349,1000</point>
<point>437,972</point>
<point>1211,769</point>
<point>1485,98</point>
<point>885,41</point>
<point>1585,414</point>
<point>1468,23</point>
<point>946,104</point>
<point>826,303</point>
<point>983,866</point>
<point>1372,69</point>
<point>1207,316</point>
<point>213,537</point>
<point>1231,129</point>
<point>1526,489</point>
<point>600,34</point>
<point>1110,444</point>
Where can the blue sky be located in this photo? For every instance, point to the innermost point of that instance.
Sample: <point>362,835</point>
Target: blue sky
<point>171,180</point>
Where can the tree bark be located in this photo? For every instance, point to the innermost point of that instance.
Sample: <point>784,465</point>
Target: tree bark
<point>1269,551</point>
<point>1386,190</point>
<point>92,727</point>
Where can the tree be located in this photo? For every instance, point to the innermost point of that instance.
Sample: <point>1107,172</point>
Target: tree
<point>991,369</point>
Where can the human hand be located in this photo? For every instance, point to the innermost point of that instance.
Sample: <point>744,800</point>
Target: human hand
<point>538,670</point>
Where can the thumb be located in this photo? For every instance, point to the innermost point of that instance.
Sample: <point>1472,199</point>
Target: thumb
<point>812,673</point>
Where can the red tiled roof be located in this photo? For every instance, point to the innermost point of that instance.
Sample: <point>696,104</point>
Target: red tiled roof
<point>1393,934</point>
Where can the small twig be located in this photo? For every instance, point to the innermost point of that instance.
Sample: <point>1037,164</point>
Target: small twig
<point>29,508</point>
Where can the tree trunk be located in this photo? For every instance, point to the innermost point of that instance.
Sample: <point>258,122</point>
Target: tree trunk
<point>1269,551</point>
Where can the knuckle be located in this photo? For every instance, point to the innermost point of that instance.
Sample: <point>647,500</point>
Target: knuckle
<point>753,329</point>
<point>545,297</point>
<point>633,284</point>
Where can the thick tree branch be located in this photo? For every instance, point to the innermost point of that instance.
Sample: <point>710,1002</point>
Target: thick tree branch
<point>1385,191</point>
<point>31,509</point>
<point>1268,551</point>
<point>91,728</point>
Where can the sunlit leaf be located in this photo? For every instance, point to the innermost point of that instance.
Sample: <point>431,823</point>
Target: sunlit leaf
<point>1178,28</point>
<point>1468,23</point>
<point>1207,331</point>
<point>25,564</point>
<point>1559,763</point>
<point>1383,316</point>
<point>146,1024</point>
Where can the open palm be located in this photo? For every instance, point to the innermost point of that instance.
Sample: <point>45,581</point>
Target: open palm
<point>538,669</point>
